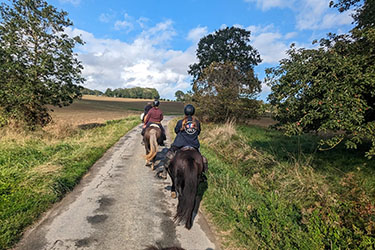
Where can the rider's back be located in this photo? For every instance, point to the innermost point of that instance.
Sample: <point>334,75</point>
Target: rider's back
<point>187,131</point>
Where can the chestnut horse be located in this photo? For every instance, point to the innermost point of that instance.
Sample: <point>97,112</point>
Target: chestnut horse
<point>185,171</point>
<point>151,137</point>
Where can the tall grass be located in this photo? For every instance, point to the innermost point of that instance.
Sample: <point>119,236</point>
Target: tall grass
<point>269,191</point>
<point>37,169</point>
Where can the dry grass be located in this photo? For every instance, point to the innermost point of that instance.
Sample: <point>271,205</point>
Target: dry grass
<point>221,138</point>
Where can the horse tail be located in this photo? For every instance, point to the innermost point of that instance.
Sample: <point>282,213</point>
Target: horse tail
<point>153,145</point>
<point>189,184</point>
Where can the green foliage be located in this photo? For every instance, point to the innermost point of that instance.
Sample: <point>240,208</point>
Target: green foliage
<point>224,84</point>
<point>38,66</point>
<point>225,45</point>
<point>330,89</point>
<point>226,93</point>
<point>35,172</point>
<point>86,91</point>
<point>180,96</point>
<point>137,92</point>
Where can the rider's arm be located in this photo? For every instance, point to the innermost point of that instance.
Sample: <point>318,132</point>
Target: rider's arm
<point>178,127</point>
<point>198,127</point>
<point>147,118</point>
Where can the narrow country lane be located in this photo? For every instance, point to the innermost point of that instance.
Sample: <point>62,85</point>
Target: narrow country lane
<point>119,204</point>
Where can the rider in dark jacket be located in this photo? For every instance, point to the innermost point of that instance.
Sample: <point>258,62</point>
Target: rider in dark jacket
<point>187,131</point>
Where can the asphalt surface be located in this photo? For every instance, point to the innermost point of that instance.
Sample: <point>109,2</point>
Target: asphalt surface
<point>119,204</point>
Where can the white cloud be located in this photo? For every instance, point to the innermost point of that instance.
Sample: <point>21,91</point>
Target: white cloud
<point>144,62</point>
<point>196,34</point>
<point>142,22</point>
<point>268,4</point>
<point>74,2</point>
<point>270,46</point>
<point>125,24</point>
<point>107,17</point>
<point>290,35</point>
<point>310,14</point>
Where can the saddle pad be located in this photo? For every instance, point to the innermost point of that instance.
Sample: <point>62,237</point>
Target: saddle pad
<point>187,148</point>
<point>154,125</point>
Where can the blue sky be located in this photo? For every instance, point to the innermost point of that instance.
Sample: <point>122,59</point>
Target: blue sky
<point>150,43</point>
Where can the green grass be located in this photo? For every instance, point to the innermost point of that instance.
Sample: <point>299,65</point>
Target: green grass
<point>36,171</point>
<point>270,191</point>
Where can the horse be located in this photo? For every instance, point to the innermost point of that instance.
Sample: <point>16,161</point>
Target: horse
<point>151,137</point>
<point>185,171</point>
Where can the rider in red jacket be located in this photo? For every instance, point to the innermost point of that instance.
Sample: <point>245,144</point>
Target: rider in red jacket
<point>155,115</point>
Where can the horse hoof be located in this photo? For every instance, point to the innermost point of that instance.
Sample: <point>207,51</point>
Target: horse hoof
<point>173,195</point>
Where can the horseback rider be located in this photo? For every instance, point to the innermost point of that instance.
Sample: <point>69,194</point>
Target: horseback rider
<point>187,131</point>
<point>147,108</point>
<point>154,116</point>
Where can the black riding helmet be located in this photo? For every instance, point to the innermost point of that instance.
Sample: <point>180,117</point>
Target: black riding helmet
<point>156,103</point>
<point>189,110</point>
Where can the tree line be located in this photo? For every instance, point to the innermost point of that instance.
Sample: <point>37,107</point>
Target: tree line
<point>136,92</point>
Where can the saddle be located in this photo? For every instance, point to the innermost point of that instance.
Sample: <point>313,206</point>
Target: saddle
<point>154,125</point>
<point>185,148</point>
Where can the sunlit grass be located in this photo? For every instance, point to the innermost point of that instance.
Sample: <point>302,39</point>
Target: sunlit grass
<point>38,168</point>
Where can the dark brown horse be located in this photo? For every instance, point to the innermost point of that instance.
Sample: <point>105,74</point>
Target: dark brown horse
<point>185,171</point>
<point>151,138</point>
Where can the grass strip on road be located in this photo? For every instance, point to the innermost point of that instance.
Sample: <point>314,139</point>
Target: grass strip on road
<point>37,169</point>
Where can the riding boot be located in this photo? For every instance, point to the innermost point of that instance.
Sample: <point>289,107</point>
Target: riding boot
<point>203,176</point>
<point>167,160</point>
<point>205,164</point>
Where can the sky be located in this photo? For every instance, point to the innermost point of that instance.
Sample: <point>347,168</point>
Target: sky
<point>151,43</point>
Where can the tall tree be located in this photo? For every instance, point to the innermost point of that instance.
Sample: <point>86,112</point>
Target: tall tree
<point>38,66</point>
<point>230,50</point>
<point>180,96</point>
<point>331,88</point>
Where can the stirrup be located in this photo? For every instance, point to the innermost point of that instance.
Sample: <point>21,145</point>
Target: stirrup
<point>162,174</point>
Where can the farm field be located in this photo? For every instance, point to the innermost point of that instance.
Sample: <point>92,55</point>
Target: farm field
<point>97,109</point>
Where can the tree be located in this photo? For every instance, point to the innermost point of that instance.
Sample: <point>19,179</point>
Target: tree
<point>38,66</point>
<point>224,96</point>
<point>109,92</point>
<point>180,96</point>
<point>228,50</point>
<point>332,88</point>
<point>225,45</point>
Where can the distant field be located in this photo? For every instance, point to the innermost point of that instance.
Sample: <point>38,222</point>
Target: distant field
<point>98,109</point>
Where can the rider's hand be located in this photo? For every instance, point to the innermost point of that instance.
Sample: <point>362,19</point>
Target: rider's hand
<point>144,125</point>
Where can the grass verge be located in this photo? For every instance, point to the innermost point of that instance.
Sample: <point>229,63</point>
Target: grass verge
<point>37,169</point>
<point>269,191</point>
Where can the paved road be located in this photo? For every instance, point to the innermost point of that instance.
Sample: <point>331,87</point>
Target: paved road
<point>119,204</point>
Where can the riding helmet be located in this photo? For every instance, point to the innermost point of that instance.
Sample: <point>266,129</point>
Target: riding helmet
<point>156,103</point>
<point>189,110</point>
